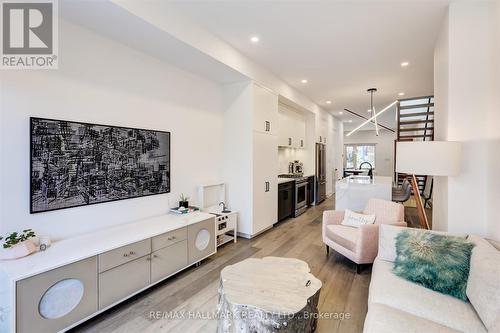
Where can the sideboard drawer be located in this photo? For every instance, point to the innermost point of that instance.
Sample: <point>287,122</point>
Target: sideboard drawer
<point>118,283</point>
<point>124,254</point>
<point>168,238</point>
<point>54,300</point>
<point>168,260</point>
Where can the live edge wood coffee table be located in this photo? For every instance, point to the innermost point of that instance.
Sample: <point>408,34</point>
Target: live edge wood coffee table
<point>268,295</point>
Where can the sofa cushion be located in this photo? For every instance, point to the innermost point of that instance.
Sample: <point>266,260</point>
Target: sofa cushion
<point>387,241</point>
<point>343,235</point>
<point>385,319</point>
<point>437,262</point>
<point>389,289</point>
<point>483,287</point>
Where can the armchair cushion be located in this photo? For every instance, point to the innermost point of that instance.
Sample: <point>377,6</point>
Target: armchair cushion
<point>385,211</point>
<point>343,235</point>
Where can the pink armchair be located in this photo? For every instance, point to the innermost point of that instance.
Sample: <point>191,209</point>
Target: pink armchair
<point>360,244</point>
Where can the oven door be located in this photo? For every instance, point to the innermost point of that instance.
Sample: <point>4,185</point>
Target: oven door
<point>300,195</point>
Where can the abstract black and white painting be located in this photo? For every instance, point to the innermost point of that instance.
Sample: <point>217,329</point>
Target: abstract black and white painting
<point>75,164</point>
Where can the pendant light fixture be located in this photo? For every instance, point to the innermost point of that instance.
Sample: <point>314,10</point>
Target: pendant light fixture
<point>373,113</point>
<point>371,91</point>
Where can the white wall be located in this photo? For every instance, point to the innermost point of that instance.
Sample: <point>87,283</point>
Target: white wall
<point>384,149</point>
<point>493,216</point>
<point>441,82</point>
<point>466,93</point>
<point>105,82</point>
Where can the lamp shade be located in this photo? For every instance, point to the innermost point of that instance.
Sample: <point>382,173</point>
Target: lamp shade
<point>430,158</point>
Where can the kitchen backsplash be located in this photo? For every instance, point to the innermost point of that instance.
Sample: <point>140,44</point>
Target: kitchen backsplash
<point>287,155</point>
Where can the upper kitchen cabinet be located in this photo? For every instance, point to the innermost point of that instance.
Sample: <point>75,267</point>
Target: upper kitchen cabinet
<point>265,110</point>
<point>291,128</point>
<point>322,131</point>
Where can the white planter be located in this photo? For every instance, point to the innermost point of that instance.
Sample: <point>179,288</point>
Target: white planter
<point>18,251</point>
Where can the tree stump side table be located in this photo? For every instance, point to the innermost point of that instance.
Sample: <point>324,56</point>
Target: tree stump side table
<point>268,295</point>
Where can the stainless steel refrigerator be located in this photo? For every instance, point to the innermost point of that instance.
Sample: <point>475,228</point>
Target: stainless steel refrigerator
<point>320,172</point>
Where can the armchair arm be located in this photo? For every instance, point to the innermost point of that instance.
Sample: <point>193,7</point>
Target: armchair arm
<point>367,244</point>
<point>331,217</point>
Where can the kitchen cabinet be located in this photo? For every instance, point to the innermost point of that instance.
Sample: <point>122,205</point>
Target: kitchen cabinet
<point>310,190</point>
<point>251,155</point>
<point>264,182</point>
<point>322,129</point>
<point>291,129</point>
<point>286,192</point>
<point>265,117</point>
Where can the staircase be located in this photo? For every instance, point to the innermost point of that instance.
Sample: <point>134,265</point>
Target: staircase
<point>415,122</point>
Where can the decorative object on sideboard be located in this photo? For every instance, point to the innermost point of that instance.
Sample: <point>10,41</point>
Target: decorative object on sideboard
<point>184,210</point>
<point>44,242</point>
<point>76,164</point>
<point>183,201</point>
<point>17,245</point>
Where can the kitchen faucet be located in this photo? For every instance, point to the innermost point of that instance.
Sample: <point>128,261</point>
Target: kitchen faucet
<point>370,172</point>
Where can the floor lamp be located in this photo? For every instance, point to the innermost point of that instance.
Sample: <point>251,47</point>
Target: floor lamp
<point>430,158</point>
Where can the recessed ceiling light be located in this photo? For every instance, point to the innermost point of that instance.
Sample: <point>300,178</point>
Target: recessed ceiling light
<point>349,121</point>
<point>369,110</point>
<point>404,63</point>
<point>340,112</point>
<point>254,39</point>
<point>303,81</point>
<point>401,94</point>
<point>328,102</point>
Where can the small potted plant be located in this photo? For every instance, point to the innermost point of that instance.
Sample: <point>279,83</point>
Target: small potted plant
<point>17,245</point>
<point>184,201</point>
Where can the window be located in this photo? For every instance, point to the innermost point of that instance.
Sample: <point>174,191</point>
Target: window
<point>355,154</point>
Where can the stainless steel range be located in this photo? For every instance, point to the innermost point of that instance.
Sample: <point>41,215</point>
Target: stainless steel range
<point>300,192</point>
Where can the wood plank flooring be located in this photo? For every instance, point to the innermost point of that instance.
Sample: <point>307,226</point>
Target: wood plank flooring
<point>193,292</point>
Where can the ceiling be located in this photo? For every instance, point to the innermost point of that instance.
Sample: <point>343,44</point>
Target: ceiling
<point>341,47</point>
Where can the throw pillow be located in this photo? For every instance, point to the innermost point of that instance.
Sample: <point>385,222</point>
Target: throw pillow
<point>437,262</point>
<point>356,220</point>
<point>483,286</point>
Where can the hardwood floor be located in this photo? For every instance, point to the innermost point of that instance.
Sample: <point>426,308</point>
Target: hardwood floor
<point>193,292</point>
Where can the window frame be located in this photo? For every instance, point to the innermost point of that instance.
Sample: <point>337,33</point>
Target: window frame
<point>356,145</point>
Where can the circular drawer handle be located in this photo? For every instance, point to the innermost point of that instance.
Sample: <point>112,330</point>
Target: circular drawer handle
<point>131,253</point>
<point>155,256</point>
<point>171,238</point>
<point>125,254</point>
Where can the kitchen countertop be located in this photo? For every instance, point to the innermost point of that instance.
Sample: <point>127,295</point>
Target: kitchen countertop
<point>285,180</point>
<point>353,192</point>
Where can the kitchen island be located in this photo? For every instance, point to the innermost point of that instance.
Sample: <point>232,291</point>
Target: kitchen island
<point>353,192</point>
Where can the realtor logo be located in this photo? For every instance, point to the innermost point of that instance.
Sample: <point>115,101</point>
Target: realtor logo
<point>29,35</point>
